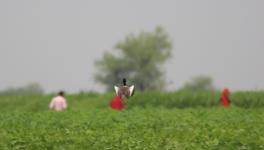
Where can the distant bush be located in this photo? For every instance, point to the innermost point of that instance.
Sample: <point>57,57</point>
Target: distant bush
<point>30,89</point>
<point>250,99</point>
<point>199,83</point>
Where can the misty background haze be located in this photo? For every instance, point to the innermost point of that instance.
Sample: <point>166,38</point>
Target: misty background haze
<point>55,43</point>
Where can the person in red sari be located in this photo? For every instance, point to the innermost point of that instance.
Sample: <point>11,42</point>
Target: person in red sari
<point>122,92</point>
<point>117,103</point>
<point>225,97</point>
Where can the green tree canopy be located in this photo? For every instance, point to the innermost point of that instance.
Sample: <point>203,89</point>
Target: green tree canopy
<point>199,83</point>
<point>139,58</point>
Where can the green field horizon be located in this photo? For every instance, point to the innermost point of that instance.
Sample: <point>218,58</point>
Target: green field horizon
<point>151,120</point>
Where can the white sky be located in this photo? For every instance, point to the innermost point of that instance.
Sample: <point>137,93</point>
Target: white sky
<point>55,42</point>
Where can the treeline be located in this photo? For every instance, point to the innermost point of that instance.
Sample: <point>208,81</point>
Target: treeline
<point>29,89</point>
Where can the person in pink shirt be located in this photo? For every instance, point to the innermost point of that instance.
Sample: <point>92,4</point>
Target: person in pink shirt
<point>58,103</point>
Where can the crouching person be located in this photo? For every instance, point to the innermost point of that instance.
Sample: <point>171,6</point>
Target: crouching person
<point>58,103</point>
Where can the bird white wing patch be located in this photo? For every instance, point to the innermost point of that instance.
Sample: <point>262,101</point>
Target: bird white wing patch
<point>131,90</point>
<point>116,89</point>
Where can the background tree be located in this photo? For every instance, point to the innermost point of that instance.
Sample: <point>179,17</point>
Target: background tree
<point>139,58</point>
<point>199,83</point>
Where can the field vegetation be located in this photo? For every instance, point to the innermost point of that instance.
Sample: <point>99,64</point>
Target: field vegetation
<point>151,120</point>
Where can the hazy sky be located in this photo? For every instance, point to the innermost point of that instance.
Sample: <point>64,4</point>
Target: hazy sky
<point>55,42</point>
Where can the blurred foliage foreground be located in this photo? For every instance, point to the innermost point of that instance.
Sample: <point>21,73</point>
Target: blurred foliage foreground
<point>151,121</point>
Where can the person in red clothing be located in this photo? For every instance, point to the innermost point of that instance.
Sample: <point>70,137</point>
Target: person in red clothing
<point>122,92</point>
<point>117,103</point>
<point>225,97</point>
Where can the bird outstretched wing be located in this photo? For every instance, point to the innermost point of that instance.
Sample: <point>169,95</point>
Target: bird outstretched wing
<point>116,89</point>
<point>131,90</point>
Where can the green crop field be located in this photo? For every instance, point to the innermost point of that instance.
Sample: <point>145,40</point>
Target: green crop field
<point>181,120</point>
